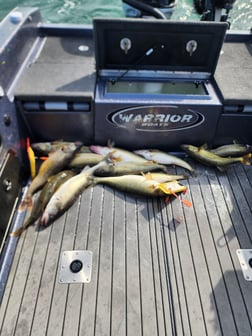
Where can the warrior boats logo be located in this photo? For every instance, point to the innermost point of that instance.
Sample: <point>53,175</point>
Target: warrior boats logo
<point>156,118</point>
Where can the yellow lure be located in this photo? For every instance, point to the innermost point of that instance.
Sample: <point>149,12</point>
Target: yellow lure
<point>31,157</point>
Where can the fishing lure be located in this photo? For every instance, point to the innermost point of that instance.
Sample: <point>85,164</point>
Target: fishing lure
<point>31,157</point>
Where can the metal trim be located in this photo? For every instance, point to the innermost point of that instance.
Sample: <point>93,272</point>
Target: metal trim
<point>245,259</point>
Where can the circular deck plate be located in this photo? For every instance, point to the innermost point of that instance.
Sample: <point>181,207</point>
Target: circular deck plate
<point>66,275</point>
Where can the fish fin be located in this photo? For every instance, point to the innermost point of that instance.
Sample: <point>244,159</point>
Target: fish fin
<point>246,159</point>
<point>204,146</point>
<point>111,143</point>
<point>186,202</point>
<point>17,233</point>
<point>112,157</point>
<point>148,176</point>
<point>31,157</point>
<point>43,158</point>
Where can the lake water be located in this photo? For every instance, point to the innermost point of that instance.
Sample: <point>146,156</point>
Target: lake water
<point>82,11</point>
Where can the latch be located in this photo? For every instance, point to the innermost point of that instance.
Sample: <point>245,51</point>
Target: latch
<point>191,46</point>
<point>1,92</point>
<point>125,44</point>
<point>7,185</point>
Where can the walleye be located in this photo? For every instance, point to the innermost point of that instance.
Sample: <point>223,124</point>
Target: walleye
<point>45,148</point>
<point>141,185</point>
<point>210,159</point>
<point>127,167</point>
<point>55,163</point>
<point>163,158</point>
<point>54,182</point>
<point>117,153</point>
<point>80,160</point>
<point>234,149</point>
<point>68,192</point>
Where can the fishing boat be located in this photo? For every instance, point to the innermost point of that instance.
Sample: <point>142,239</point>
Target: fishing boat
<point>115,263</point>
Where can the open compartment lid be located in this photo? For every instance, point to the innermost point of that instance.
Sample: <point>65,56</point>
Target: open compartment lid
<point>143,44</point>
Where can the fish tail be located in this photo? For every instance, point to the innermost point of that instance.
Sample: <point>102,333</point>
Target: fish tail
<point>91,170</point>
<point>107,160</point>
<point>29,221</point>
<point>246,159</point>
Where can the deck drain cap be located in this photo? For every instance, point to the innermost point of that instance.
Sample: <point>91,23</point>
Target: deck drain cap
<point>76,267</point>
<point>245,259</point>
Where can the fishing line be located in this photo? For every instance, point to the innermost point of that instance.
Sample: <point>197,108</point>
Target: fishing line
<point>149,52</point>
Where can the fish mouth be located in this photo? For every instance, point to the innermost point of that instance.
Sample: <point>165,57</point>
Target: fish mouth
<point>94,149</point>
<point>45,219</point>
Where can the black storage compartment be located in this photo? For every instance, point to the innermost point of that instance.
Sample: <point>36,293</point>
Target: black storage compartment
<point>154,82</point>
<point>55,93</point>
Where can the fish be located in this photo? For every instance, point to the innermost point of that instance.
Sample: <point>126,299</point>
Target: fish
<point>55,163</point>
<point>208,158</point>
<point>141,185</point>
<point>53,183</point>
<point>45,148</point>
<point>163,158</point>
<point>128,167</point>
<point>80,160</point>
<point>68,192</point>
<point>233,150</point>
<point>117,153</point>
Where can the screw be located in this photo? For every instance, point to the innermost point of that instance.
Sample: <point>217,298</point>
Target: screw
<point>7,120</point>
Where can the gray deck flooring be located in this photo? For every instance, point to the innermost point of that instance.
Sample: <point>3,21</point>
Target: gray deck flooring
<point>158,269</point>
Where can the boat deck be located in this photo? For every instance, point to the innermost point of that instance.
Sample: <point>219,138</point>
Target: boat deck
<point>158,268</point>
